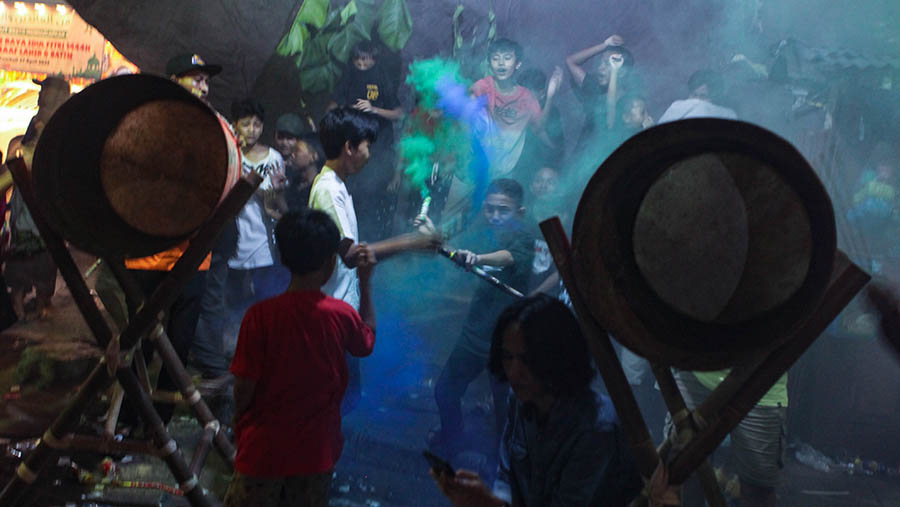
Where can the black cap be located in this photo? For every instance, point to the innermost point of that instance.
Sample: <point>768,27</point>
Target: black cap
<point>292,124</point>
<point>53,82</point>
<point>182,64</point>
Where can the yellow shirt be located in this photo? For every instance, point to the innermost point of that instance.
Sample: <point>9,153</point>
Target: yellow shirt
<point>776,397</point>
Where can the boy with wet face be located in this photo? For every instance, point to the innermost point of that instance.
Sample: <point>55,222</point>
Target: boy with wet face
<point>501,242</point>
<point>513,109</point>
<point>367,86</point>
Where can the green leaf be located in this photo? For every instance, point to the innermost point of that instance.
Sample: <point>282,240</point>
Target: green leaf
<point>313,12</point>
<point>348,11</point>
<point>320,78</point>
<point>333,21</point>
<point>458,12</point>
<point>394,23</point>
<point>316,53</point>
<point>366,12</point>
<point>492,31</point>
<point>342,42</point>
<point>292,43</point>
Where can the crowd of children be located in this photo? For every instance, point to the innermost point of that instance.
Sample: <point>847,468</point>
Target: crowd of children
<point>298,259</point>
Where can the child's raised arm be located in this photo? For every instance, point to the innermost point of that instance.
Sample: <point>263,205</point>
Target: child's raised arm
<point>575,60</point>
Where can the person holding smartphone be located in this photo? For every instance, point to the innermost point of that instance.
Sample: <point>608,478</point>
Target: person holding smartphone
<point>562,444</point>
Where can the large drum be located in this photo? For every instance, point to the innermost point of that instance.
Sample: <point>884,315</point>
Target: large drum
<point>133,165</point>
<point>702,240</point>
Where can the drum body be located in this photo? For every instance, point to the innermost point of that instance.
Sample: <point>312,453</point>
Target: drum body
<point>133,165</point>
<point>702,240</point>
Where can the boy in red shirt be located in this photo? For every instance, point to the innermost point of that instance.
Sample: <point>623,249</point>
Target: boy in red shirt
<point>512,108</point>
<point>290,371</point>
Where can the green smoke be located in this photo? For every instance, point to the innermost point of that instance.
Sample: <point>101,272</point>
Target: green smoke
<point>417,149</point>
<point>424,76</point>
<point>429,137</point>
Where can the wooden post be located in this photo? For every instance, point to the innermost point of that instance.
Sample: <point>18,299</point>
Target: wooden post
<point>846,281</point>
<point>111,446</point>
<point>57,248</point>
<point>112,415</point>
<point>175,368</point>
<point>145,319</point>
<point>633,424</point>
<point>171,454</point>
<point>203,447</point>
<point>684,421</point>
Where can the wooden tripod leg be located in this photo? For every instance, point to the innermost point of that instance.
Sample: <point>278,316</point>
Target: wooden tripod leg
<point>61,256</point>
<point>112,415</point>
<point>171,454</point>
<point>176,369</point>
<point>685,424</point>
<point>54,439</point>
<point>140,364</point>
<point>31,466</point>
<point>185,384</point>
<point>203,447</point>
<point>27,471</point>
<point>143,321</point>
<point>633,424</point>
<point>846,281</point>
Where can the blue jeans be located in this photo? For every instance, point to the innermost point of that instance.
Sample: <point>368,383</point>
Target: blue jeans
<point>462,367</point>
<point>208,351</point>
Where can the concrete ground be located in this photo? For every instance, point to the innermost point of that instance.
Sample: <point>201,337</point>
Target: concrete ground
<point>382,463</point>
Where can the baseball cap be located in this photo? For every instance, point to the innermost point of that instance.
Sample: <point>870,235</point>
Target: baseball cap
<point>53,82</point>
<point>182,64</point>
<point>292,124</point>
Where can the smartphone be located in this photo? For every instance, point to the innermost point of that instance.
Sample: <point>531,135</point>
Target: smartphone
<point>439,465</point>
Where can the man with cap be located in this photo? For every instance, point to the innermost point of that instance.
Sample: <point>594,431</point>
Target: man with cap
<point>54,91</point>
<point>192,73</point>
<point>207,348</point>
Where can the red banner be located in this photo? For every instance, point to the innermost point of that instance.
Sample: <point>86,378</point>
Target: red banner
<point>49,39</point>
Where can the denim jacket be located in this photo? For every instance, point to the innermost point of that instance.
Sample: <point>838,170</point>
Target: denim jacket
<point>577,457</point>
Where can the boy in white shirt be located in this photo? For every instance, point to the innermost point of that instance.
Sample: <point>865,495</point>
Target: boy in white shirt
<point>346,136</point>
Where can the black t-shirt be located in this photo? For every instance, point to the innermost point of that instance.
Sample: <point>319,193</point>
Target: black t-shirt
<point>488,301</point>
<point>596,138</point>
<point>296,196</point>
<point>536,154</point>
<point>374,85</point>
<point>592,95</point>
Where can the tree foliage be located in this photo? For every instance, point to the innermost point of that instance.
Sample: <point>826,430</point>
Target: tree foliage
<point>323,34</point>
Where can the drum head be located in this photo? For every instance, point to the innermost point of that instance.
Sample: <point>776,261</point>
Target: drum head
<point>699,241</point>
